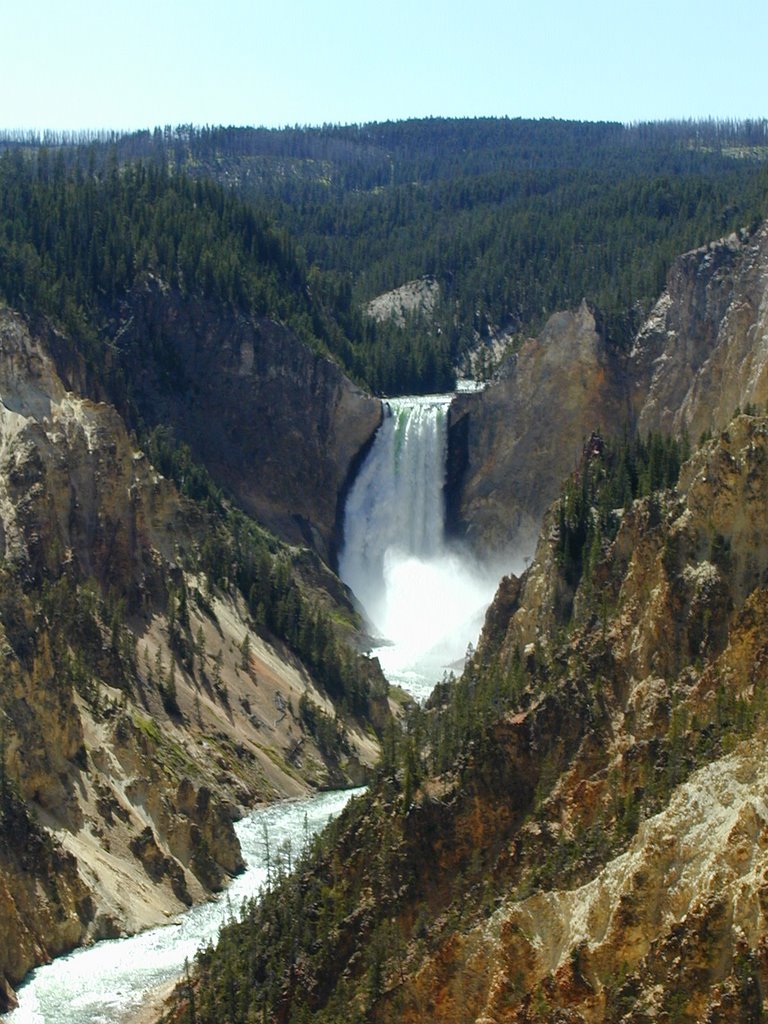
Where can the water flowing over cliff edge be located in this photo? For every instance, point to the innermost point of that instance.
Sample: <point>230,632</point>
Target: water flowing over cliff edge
<point>424,596</point>
<point>577,829</point>
<point>677,598</point>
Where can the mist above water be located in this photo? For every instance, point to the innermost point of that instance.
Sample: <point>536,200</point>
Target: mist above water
<point>433,608</point>
<point>425,598</point>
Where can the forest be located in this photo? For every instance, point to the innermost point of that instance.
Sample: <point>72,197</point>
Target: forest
<point>515,219</point>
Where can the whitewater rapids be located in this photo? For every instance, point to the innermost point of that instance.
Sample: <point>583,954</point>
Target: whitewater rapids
<point>109,982</point>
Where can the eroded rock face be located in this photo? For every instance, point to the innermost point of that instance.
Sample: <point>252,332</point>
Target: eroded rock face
<point>73,490</point>
<point>704,350</point>
<point>125,755</point>
<point>597,850</point>
<point>660,920</point>
<point>415,298</point>
<point>279,426</point>
<point>514,443</point>
<point>677,922</point>
<point>701,355</point>
<point>74,495</point>
<point>45,907</point>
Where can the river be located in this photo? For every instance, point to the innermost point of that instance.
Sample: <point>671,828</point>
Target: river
<point>108,983</point>
<point>425,596</point>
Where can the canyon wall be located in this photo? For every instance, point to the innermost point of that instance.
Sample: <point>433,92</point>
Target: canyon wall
<point>277,425</point>
<point>142,709</point>
<point>703,351</point>
<point>701,354</point>
<point>623,857</point>
<point>596,849</point>
<point>511,445</point>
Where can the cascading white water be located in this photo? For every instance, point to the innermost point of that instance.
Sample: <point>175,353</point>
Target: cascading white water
<point>109,982</point>
<point>426,597</point>
<point>395,507</point>
<point>423,596</point>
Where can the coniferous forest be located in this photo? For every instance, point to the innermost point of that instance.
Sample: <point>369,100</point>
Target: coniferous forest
<point>514,219</point>
<point>628,657</point>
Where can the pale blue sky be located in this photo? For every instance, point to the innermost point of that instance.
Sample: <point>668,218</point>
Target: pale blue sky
<point>100,64</point>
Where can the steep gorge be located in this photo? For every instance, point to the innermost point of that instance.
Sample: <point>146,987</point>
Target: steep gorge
<point>664,653</point>
<point>143,707</point>
<point>576,830</point>
<point>594,850</point>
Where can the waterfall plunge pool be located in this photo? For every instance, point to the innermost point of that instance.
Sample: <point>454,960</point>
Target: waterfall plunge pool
<point>109,982</point>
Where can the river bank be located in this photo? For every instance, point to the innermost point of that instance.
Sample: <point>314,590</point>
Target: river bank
<point>124,981</point>
<point>151,1011</point>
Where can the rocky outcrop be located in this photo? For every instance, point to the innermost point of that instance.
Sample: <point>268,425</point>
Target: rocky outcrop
<point>416,298</point>
<point>277,425</point>
<point>701,355</point>
<point>677,923</point>
<point>73,490</point>
<point>683,568</point>
<point>512,444</point>
<point>703,352</point>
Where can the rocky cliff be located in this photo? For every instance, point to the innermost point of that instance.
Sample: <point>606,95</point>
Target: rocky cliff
<point>277,425</point>
<point>637,888</point>
<point>512,444</point>
<point>704,350</point>
<point>142,705</point>
<point>701,354</point>
<point>414,299</point>
<point>576,830</point>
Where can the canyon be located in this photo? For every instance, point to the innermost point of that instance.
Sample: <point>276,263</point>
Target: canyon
<point>594,847</point>
<point>143,711</point>
<point>123,774</point>
<point>575,829</point>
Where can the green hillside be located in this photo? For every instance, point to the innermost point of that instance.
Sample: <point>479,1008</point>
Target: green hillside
<point>516,219</point>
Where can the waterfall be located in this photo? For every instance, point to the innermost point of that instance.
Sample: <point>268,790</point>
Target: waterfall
<point>395,507</point>
<point>424,596</point>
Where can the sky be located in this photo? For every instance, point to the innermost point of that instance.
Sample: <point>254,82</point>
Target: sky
<point>109,64</point>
